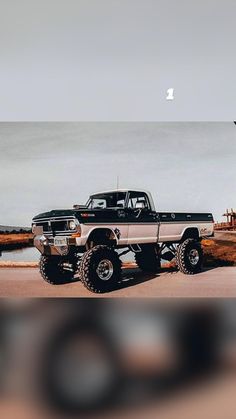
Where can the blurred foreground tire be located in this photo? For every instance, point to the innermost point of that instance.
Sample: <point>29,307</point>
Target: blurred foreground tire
<point>81,371</point>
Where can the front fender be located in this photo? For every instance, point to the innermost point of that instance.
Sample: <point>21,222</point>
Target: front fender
<point>95,232</point>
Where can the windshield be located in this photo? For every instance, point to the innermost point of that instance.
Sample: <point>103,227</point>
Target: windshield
<point>107,200</point>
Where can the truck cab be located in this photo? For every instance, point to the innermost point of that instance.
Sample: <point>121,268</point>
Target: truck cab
<point>135,204</point>
<point>86,238</point>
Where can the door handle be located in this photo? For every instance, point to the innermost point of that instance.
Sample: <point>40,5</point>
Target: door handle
<point>137,212</point>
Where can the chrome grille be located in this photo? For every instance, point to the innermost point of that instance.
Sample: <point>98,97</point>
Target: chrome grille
<point>55,225</point>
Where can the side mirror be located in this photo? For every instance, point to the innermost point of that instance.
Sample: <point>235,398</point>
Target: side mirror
<point>77,206</point>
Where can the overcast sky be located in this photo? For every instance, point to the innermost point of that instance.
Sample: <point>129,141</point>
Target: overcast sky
<point>186,166</point>
<point>115,59</point>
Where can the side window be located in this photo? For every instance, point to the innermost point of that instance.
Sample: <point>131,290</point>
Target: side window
<point>120,203</point>
<point>98,203</point>
<point>116,200</point>
<point>138,200</point>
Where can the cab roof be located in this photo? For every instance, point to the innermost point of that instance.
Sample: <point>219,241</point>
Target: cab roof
<point>120,190</point>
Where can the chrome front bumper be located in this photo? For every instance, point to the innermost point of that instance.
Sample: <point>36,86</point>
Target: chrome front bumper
<point>46,245</point>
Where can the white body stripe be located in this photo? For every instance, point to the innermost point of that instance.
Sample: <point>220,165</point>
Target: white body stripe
<point>131,233</point>
<point>174,231</point>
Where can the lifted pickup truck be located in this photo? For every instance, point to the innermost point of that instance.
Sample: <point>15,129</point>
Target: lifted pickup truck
<point>87,238</point>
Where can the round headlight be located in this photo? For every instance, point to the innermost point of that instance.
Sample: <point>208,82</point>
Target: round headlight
<point>72,225</point>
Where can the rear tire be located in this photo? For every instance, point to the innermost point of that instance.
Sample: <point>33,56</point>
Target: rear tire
<point>100,269</point>
<point>148,259</point>
<point>189,257</point>
<point>51,270</point>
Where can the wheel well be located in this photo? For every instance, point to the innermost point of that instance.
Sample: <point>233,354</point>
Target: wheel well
<point>101,236</point>
<point>191,233</point>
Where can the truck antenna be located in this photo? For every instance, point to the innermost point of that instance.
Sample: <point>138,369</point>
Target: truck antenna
<point>117,182</point>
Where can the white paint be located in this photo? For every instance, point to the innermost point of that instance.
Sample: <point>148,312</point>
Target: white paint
<point>170,94</point>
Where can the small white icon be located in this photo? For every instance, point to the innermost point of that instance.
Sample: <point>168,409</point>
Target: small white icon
<point>170,94</point>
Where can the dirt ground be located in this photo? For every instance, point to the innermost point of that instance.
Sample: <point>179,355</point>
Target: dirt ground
<point>17,238</point>
<point>220,251</point>
<point>211,283</point>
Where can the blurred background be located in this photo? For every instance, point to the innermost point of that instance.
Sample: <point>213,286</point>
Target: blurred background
<point>80,357</point>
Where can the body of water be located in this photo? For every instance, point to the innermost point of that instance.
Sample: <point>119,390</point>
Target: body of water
<point>30,254</point>
<point>27,254</point>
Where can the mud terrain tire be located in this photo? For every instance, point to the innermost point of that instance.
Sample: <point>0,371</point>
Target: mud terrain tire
<point>148,259</point>
<point>51,270</point>
<point>100,269</point>
<point>189,257</point>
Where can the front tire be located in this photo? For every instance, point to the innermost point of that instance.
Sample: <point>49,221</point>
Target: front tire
<point>189,257</point>
<point>100,269</point>
<point>52,270</point>
<point>148,260</point>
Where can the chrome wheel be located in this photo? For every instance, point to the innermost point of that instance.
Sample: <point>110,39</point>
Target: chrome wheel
<point>105,269</point>
<point>193,257</point>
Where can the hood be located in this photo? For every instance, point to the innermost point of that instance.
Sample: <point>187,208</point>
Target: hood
<point>82,215</point>
<point>56,213</point>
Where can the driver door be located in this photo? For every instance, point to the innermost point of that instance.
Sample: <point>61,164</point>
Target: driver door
<point>143,223</point>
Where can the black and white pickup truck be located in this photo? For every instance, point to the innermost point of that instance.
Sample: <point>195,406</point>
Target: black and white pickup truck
<point>87,238</point>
